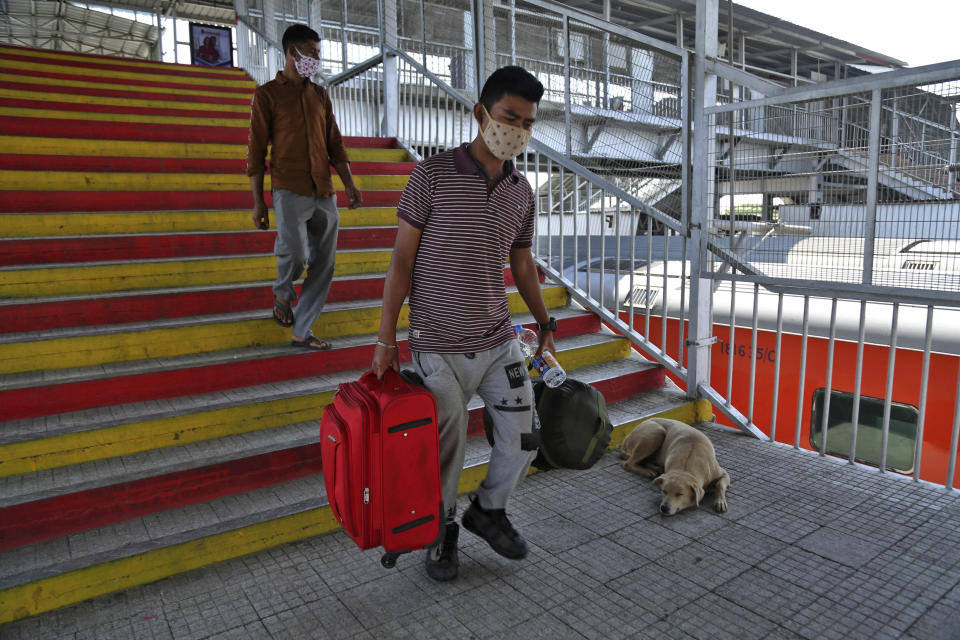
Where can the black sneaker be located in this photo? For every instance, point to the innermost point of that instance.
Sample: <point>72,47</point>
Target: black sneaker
<point>492,525</point>
<point>441,562</point>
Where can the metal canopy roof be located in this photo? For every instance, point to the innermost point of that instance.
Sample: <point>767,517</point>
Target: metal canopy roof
<point>770,41</point>
<point>58,25</point>
<point>62,26</point>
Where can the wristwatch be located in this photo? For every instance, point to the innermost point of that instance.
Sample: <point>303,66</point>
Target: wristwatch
<point>549,325</point>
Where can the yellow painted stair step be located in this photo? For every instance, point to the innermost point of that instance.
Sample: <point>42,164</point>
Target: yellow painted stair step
<point>90,181</point>
<point>126,439</point>
<point>93,84</point>
<point>138,149</point>
<point>146,76</point>
<point>30,225</point>
<point>161,274</point>
<point>57,114</point>
<point>53,96</point>
<point>85,351</point>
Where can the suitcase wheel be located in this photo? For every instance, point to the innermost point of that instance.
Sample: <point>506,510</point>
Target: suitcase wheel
<point>389,559</point>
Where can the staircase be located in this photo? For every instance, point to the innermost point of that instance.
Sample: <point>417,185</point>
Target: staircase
<point>910,184</point>
<point>153,418</point>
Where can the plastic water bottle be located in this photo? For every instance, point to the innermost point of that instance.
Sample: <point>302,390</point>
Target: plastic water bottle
<point>547,366</point>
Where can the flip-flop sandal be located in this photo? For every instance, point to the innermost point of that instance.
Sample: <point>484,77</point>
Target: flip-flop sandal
<point>283,308</point>
<point>313,342</point>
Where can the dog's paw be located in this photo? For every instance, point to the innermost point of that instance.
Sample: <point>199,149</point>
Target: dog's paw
<point>720,505</point>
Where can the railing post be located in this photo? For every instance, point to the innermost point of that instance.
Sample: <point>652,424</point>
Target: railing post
<point>391,83</point>
<point>701,300</point>
<point>473,39</point>
<point>568,144</point>
<point>953,156</point>
<point>873,174</point>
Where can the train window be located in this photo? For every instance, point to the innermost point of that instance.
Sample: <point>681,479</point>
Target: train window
<point>901,439</point>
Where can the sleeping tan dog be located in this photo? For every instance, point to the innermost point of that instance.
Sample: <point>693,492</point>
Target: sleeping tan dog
<point>683,457</point>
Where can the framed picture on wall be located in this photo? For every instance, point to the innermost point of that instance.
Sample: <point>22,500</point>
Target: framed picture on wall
<point>210,46</point>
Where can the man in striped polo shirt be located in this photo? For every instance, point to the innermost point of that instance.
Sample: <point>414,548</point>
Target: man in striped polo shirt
<point>462,215</point>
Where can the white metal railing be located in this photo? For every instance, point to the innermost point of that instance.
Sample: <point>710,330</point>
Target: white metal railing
<point>861,324</point>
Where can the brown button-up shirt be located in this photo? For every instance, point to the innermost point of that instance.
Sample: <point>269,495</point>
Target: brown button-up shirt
<point>297,118</point>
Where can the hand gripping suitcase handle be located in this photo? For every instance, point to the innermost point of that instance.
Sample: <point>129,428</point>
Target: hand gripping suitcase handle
<point>370,381</point>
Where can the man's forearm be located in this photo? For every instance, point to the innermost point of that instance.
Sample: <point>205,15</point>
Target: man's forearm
<point>395,288</point>
<point>528,285</point>
<point>256,185</point>
<point>343,170</point>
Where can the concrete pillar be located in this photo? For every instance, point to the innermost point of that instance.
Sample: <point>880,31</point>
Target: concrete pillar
<point>701,299</point>
<point>389,124</point>
<point>641,88</point>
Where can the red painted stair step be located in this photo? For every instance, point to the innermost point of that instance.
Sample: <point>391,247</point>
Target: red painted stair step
<point>145,94</point>
<point>145,307</point>
<point>32,402</point>
<point>187,111</point>
<point>68,201</point>
<point>33,162</point>
<point>188,245</point>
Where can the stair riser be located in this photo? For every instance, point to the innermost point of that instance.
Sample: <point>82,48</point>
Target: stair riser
<point>31,225</point>
<point>148,131</point>
<point>183,429</point>
<point>39,316</point>
<point>82,105</point>
<point>109,88</point>
<point>164,182</point>
<point>363,159</point>
<point>61,281</point>
<point>144,131</point>
<point>45,519</point>
<point>66,589</point>
<point>33,402</point>
<point>39,520</point>
<point>14,201</point>
<point>69,68</point>
<point>88,351</point>
<point>23,99</point>
<point>68,250</point>
<point>230,121</point>
<point>173,164</point>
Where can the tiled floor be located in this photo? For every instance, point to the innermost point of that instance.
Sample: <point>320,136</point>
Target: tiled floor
<point>810,548</point>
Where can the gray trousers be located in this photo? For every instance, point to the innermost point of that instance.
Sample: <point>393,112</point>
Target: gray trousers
<point>306,237</point>
<point>499,376</point>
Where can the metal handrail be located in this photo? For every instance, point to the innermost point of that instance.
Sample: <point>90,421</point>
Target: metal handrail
<point>354,71</point>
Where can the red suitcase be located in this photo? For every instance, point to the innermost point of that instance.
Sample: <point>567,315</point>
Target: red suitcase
<point>381,463</point>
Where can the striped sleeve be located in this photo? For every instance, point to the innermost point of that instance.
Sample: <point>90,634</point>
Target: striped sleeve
<point>417,199</point>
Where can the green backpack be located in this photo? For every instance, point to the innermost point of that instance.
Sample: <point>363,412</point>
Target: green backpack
<point>574,428</point>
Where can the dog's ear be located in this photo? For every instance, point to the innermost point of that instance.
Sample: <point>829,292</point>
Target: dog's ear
<point>658,481</point>
<point>697,493</point>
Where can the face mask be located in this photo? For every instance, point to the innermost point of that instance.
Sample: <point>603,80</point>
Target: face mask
<point>306,66</point>
<point>504,141</point>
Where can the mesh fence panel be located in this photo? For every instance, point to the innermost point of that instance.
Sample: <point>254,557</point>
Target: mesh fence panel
<point>808,166</point>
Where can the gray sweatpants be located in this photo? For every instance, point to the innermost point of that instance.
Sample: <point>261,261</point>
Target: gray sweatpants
<point>499,376</point>
<point>306,237</point>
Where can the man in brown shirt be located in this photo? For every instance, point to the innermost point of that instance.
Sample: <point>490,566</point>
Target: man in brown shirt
<point>296,117</point>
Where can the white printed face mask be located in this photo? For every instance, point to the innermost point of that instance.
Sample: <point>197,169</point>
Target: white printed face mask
<point>306,66</point>
<point>504,141</point>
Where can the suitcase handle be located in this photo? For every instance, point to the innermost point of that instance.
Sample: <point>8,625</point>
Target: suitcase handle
<point>370,381</point>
